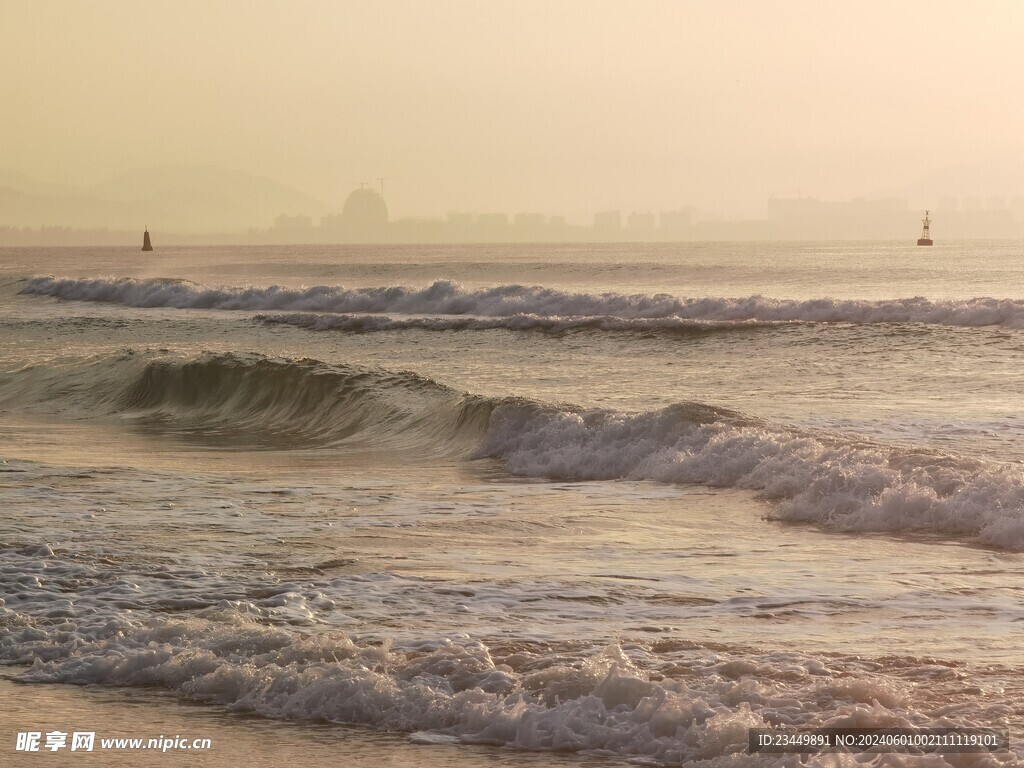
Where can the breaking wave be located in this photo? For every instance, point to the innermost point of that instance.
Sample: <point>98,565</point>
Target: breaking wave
<point>520,322</point>
<point>829,479</point>
<point>449,298</point>
<point>461,690</point>
<point>258,402</point>
<point>833,480</point>
<point>672,701</point>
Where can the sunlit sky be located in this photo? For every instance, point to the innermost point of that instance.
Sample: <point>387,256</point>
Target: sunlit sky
<point>560,106</point>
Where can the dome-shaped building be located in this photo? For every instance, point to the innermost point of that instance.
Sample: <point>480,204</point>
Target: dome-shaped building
<point>365,212</point>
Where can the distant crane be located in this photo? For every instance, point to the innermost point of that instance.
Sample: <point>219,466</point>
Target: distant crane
<point>382,179</point>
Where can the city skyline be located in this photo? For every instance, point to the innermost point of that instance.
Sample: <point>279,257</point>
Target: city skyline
<point>365,218</point>
<point>571,108</point>
<point>264,210</point>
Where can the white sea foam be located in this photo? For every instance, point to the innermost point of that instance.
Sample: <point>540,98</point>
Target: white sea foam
<point>832,480</point>
<point>450,298</point>
<point>461,689</point>
<point>253,641</point>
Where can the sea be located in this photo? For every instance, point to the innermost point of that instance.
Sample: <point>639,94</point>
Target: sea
<point>510,505</point>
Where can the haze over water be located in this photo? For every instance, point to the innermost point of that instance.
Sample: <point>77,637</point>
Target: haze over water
<point>569,108</point>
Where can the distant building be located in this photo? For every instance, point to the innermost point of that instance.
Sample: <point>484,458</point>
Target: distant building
<point>608,223</point>
<point>529,220</point>
<point>365,216</point>
<point>460,227</point>
<point>285,223</point>
<point>558,228</point>
<point>363,219</point>
<point>529,227</point>
<point>674,224</point>
<point>492,222</point>
<point>423,230</point>
<point>641,225</point>
<point>810,218</point>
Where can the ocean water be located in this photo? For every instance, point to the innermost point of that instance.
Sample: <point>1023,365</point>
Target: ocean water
<point>606,503</point>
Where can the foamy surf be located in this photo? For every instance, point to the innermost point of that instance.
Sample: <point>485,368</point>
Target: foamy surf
<point>832,480</point>
<point>121,597</point>
<point>672,702</point>
<point>450,298</point>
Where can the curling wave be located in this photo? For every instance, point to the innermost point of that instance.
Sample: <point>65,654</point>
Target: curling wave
<point>254,401</point>
<point>449,298</point>
<point>833,480</point>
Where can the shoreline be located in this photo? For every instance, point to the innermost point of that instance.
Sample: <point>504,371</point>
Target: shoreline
<point>236,738</point>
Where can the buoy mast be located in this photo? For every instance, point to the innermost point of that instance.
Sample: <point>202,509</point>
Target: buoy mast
<point>926,235</point>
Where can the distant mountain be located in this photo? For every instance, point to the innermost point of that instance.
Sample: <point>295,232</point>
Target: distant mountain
<point>24,209</point>
<point>170,197</point>
<point>22,182</point>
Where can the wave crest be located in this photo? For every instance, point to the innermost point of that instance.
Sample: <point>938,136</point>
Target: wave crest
<point>832,480</point>
<point>519,322</point>
<point>449,298</point>
<point>253,401</point>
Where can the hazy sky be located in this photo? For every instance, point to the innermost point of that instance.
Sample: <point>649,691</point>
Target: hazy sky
<point>551,106</point>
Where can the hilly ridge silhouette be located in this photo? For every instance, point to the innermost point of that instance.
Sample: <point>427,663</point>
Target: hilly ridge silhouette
<point>172,196</point>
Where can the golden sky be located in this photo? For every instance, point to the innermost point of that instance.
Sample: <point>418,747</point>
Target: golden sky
<point>556,106</point>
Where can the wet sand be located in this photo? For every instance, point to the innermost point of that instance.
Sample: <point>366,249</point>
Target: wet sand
<point>237,739</point>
